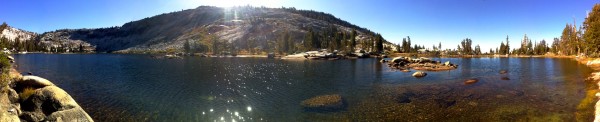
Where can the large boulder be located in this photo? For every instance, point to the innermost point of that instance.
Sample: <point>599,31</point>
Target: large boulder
<point>332,102</point>
<point>419,74</point>
<point>34,81</point>
<point>55,104</point>
<point>399,59</point>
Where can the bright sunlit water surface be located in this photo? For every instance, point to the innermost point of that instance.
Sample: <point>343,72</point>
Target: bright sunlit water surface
<point>113,87</point>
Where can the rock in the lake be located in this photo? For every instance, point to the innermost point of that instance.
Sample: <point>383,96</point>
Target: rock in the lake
<point>419,74</point>
<point>54,104</point>
<point>503,71</point>
<point>517,93</point>
<point>34,81</point>
<point>447,63</point>
<point>332,102</point>
<point>399,59</point>
<point>471,81</point>
<point>505,78</point>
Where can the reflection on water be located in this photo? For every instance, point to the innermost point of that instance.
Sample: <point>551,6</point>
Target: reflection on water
<point>114,87</point>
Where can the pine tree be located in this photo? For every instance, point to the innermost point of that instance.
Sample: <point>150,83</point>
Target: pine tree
<point>186,46</point>
<point>353,41</point>
<point>379,43</point>
<point>592,30</point>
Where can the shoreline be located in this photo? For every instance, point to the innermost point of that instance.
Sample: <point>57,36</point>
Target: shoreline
<point>594,64</point>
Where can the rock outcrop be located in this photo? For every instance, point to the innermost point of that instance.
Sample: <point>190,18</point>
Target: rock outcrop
<point>332,102</point>
<point>425,64</point>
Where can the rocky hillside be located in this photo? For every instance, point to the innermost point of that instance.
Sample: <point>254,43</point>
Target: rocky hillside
<point>214,29</point>
<point>13,34</point>
<point>17,39</point>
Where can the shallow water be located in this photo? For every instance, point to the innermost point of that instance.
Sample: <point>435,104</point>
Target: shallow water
<point>112,87</point>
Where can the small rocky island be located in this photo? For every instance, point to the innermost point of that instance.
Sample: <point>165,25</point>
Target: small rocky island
<point>424,64</point>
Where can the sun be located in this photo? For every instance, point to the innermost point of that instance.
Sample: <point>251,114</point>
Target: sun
<point>232,3</point>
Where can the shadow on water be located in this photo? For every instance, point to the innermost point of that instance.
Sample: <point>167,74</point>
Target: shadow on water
<point>138,88</point>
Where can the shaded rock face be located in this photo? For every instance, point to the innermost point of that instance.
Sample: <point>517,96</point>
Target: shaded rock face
<point>324,103</point>
<point>419,74</point>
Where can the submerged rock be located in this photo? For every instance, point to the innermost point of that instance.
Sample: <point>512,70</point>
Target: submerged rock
<point>471,81</point>
<point>517,93</point>
<point>503,71</point>
<point>419,74</point>
<point>505,78</point>
<point>404,97</point>
<point>444,103</point>
<point>332,102</point>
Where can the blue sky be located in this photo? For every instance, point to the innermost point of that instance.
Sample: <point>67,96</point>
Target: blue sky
<point>427,22</point>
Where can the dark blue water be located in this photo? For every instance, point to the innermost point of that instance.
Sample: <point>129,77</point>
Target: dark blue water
<point>113,87</point>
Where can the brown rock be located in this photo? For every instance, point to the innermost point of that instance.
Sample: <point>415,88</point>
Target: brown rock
<point>471,81</point>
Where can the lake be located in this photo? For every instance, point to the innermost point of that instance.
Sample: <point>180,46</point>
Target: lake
<point>116,87</point>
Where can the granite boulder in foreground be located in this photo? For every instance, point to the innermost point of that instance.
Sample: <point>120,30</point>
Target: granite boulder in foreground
<point>332,102</point>
<point>41,100</point>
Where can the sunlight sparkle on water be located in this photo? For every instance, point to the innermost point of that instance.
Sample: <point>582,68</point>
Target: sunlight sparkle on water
<point>249,108</point>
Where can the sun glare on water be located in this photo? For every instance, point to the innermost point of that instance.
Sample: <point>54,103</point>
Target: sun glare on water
<point>231,3</point>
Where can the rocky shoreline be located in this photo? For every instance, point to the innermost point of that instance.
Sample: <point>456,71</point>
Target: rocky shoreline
<point>32,98</point>
<point>595,77</point>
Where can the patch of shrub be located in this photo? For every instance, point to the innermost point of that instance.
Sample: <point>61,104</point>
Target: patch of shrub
<point>27,92</point>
